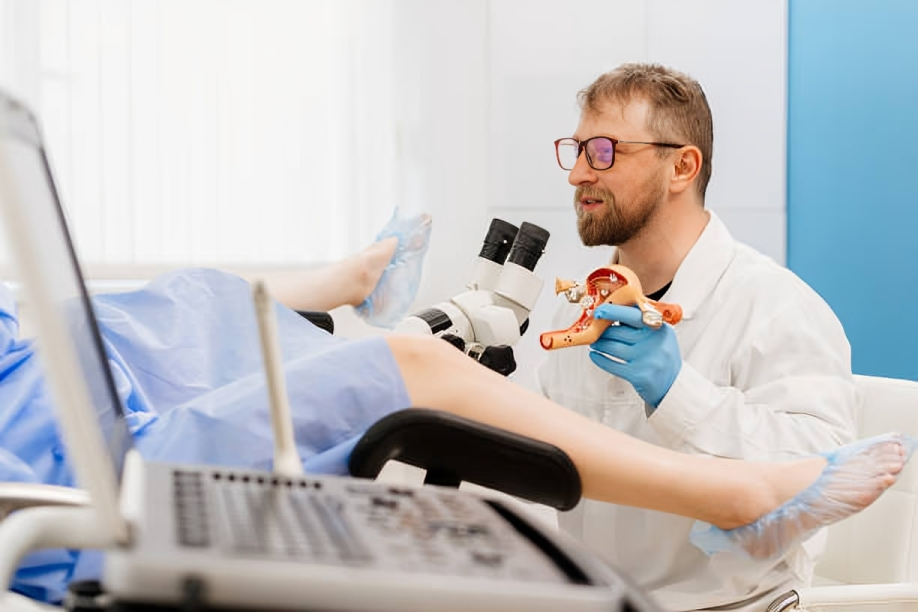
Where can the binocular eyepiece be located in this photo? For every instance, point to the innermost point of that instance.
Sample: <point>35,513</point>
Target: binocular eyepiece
<point>528,246</point>
<point>498,241</point>
<point>507,243</point>
<point>523,246</point>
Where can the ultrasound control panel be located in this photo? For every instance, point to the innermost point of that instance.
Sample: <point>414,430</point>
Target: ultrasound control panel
<point>356,523</point>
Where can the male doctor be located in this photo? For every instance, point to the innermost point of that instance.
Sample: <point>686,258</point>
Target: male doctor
<point>759,368</point>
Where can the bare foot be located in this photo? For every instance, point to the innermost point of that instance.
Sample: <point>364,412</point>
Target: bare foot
<point>794,499</point>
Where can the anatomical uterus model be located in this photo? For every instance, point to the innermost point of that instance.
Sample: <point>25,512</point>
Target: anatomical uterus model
<point>612,284</point>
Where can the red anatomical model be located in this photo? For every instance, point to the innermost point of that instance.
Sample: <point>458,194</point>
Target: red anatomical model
<point>612,284</point>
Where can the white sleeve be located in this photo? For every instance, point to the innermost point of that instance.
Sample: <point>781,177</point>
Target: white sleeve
<point>794,394</point>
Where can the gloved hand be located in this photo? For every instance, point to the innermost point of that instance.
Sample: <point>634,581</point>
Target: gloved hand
<point>651,356</point>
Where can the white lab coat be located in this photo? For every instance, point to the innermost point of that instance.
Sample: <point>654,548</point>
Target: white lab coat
<point>766,375</point>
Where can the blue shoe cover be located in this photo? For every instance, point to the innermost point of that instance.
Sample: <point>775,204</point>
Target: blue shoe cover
<point>392,297</point>
<point>853,478</point>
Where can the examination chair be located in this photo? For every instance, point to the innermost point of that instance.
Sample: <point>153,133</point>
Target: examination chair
<point>871,559</point>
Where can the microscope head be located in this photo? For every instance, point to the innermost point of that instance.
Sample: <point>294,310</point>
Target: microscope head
<point>490,316</point>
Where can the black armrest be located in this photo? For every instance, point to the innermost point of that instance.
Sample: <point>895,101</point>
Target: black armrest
<point>319,318</point>
<point>453,449</point>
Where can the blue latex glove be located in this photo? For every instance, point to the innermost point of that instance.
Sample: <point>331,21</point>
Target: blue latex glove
<point>651,356</point>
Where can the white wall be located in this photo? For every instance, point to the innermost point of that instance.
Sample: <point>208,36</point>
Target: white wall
<point>442,103</point>
<point>18,64</point>
<point>488,85</point>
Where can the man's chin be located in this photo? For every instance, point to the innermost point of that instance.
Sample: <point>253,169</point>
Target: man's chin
<point>590,239</point>
<point>592,236</point>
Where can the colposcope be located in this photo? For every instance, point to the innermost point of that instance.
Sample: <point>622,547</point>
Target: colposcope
<point>491,315</point>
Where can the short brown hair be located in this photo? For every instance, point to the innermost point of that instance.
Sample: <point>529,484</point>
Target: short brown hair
<point>679,111</point>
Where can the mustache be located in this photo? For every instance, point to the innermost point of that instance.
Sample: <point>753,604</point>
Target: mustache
<point>592,193</point>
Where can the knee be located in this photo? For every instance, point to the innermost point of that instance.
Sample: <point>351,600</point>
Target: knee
<point>421,353</point>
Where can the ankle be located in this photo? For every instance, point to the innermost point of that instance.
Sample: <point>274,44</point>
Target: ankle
<point>364,269</point>
<point>754,499</point>
<point>361,281</point>
<point>771,485</point>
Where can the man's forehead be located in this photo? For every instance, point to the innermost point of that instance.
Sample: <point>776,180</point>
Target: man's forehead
<point>623,120</point>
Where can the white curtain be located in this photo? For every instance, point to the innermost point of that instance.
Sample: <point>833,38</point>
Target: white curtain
<point>253,132</point>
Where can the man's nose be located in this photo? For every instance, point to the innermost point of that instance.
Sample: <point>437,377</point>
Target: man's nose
<point>582,174</point>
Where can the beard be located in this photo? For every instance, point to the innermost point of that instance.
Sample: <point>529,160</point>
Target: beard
<point>614,224</point>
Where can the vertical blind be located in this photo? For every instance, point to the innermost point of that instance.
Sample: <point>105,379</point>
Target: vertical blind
<point>211,131</point>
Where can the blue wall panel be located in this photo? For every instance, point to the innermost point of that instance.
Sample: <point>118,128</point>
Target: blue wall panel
<point>853,171</point>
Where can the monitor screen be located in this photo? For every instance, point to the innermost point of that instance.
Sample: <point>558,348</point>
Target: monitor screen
<point>46,226</point>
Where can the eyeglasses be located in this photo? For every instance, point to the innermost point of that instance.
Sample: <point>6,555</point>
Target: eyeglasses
<point>600,151</point>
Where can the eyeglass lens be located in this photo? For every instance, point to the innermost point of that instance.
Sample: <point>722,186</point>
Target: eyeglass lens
<point>600,153</point>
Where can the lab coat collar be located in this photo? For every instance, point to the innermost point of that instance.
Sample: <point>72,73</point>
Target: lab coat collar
<point>702,268</point>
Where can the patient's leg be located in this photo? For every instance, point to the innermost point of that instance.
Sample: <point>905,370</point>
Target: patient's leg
<point>620,469</point>
<point>346,282</point>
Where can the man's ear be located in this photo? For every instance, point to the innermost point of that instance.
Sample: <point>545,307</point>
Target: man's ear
<point>686,166</point>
